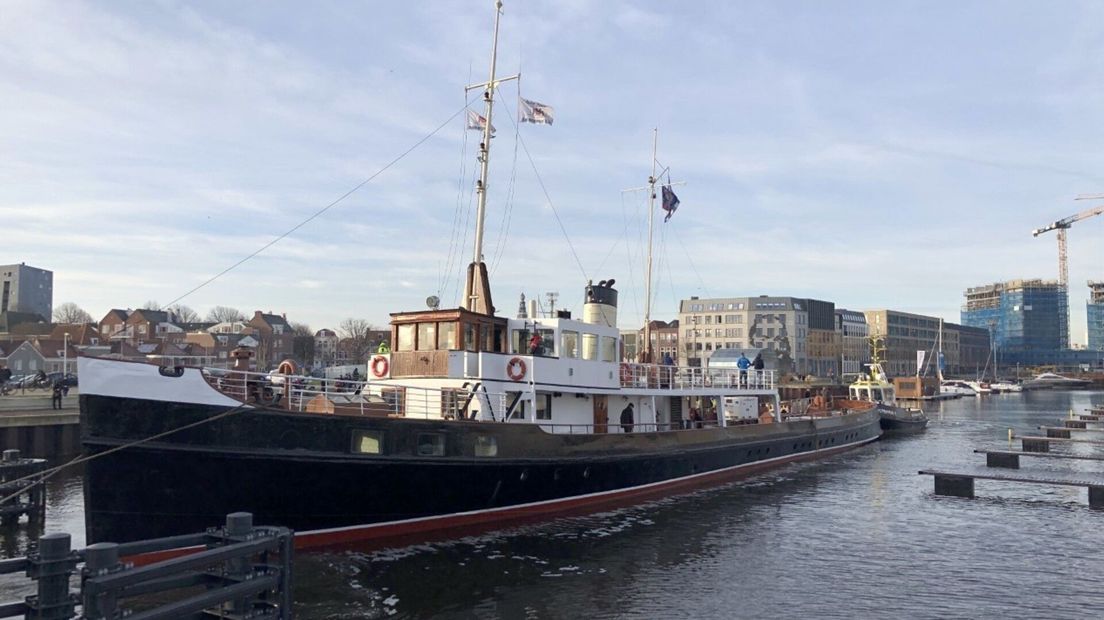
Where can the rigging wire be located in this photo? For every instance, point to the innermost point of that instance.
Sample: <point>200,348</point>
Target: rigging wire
<point>453,252</point>
<point>326,208</point>
<point>690,260</point>
<point>508,210</point>
<point>550,204</point>
<point>42,476</point>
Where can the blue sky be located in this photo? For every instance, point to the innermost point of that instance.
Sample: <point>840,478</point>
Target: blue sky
<point>873,154</point>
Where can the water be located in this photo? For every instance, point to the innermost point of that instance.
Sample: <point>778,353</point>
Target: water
<point>859,535</point>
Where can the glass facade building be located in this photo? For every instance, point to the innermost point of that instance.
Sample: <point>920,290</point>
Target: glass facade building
<point>1095,314</point>
<point>1024,316</point>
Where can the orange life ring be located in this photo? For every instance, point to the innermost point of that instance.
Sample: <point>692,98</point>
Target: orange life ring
<point>287,367</point>
<point>626,373</point>
<point>818,402</point>
<point>380,366</point>
<point>515,369</point>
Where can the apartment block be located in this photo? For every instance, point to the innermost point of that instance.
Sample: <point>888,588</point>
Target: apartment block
<point>27,289</point>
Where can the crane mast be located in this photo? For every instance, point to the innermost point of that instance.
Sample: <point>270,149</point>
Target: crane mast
<point>1062,226</point>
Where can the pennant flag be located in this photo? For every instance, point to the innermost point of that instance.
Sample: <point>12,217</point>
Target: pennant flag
<point>476,121</point>
<point>536,113</point>
<point>670,202</point>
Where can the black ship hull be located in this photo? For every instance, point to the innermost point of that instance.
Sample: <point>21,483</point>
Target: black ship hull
<point>304,471</point>
<point>899,421</point>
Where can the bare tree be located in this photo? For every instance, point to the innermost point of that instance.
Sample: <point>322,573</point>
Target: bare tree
<point>183,314</point>
<point>302,329</point>
<point>358,333</point>
<point>69,313</point>
<point>151,305</point>
<point>224,314</point>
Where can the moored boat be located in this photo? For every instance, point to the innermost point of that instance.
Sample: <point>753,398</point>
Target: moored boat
<point>470,420</point>
<point>1050,380</point>
<point>874,387</point>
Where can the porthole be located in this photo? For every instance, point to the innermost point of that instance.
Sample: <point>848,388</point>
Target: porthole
<point>586,472</point>
<point>524,475</point>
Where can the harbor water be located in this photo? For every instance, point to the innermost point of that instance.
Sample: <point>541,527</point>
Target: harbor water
<point>858,535</point>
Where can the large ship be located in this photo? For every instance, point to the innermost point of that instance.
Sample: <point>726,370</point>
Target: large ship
<point>470,420</point>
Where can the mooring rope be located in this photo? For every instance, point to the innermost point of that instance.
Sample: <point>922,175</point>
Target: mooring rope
<point>46,474</point>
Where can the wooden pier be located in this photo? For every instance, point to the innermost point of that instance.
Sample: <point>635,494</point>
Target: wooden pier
<point>958,484</point>
<point>961,483</point>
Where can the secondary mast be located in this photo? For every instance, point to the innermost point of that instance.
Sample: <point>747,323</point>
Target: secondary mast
<point>648,276</point>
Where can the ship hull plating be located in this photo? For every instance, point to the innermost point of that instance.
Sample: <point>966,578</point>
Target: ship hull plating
<point>304,471</point>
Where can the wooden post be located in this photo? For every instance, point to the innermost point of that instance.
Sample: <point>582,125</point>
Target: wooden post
<point>954,486</point>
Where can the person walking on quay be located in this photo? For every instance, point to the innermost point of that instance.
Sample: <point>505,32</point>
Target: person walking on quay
<point>55,401</point>
<point>743,364</point>
<point>627,418</point>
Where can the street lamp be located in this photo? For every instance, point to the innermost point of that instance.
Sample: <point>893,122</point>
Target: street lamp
<point>65,358</point>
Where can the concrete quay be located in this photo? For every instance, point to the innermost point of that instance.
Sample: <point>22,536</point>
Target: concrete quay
<point>29,424</point>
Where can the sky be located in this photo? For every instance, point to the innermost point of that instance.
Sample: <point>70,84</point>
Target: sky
<point>874,154</point>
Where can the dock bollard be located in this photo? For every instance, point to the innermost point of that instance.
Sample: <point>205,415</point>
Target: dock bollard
<point>100,559</point>
<point>51,566</point>
<point>239,525</point>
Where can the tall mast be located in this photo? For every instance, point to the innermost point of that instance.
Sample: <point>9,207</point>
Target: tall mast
<point>648,275</point>
<point>477,291</point>
<point>485,146</point>
<point>939,355</point>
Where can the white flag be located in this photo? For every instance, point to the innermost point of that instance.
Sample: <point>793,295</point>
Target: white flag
<point>476,121</point>
<point>534,112</point>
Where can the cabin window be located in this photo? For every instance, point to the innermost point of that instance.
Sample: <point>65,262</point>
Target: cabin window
<point>488,338</point>
<point>609,349</point>
<point>405,338</point>
<point>469,336</point>
<point>486,446</point>
<point>570,343</point>
<point>447,336</point>
<point>431,444</point>
<point>544,406</point>
<point>427,336</point>
<point>590,347</point>
<point>368,442</point>
<point>877,394</point>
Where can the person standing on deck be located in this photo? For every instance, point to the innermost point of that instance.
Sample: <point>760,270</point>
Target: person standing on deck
<point>627,418</point>
<point>743,364</point>
<point>758,366</point>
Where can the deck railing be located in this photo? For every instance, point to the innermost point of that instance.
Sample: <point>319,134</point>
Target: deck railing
<point>351,396</point>
<point>664,377</point>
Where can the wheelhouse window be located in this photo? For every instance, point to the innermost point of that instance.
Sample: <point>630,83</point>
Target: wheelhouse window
<point>486,446</point>
<point>405,339</point>
<point>570,342</point>
<point>590,347</point>
<point>431,444</point>
<point>447,336</point>
<point>609,349</point>
<point>368,442</point>
<point>471,334</point>
<point>427,336</point>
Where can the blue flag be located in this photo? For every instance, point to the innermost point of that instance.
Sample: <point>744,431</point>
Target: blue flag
<point>670,202</point>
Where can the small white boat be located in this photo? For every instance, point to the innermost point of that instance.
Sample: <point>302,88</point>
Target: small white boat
<point>1005,386</point>
<point>961,388</point>
<point>979,387</point>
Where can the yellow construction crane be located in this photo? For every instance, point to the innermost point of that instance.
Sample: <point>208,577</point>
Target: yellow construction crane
<point>1061,226</point>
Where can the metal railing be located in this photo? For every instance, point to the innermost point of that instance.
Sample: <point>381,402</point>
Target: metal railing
<point>662,377</point>
<point>352,396</point>
<point>245,570</point>
<point>616,428</point>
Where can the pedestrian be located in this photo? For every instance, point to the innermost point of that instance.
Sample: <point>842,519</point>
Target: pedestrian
<point>55,402</point>
<point>627,418</point>
<point>758,366</point>
<point>743,364</point>
<point>535,344</point>
<point>668,360</point>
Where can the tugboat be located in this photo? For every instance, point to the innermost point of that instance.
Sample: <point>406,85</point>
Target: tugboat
<point>875,387</point>
<point>471,421</point>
